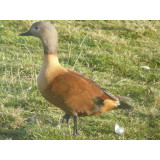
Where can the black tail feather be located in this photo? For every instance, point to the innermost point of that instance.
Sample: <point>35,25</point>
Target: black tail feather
<point>124,105</point>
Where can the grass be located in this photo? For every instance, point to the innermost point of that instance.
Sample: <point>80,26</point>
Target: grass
<point>109,52</point>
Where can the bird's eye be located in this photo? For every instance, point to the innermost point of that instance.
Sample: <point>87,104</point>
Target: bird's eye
<point>36,27</point>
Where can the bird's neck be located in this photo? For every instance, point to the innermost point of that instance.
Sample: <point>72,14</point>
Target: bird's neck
<point>50,45</point>
<point>51,60</point>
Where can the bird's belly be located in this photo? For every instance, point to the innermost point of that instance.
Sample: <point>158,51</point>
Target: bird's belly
<point>56,100</point>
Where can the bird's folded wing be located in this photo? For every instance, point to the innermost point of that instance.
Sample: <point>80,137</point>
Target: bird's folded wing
<point>79,93</point>
<point>95,84</point>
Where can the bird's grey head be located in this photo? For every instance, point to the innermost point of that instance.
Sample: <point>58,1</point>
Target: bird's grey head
<point>46,32</point>
<point>39,29</point>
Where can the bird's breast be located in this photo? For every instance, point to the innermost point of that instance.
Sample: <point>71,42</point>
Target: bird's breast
<point>46,76</point>
<point>42,81</point>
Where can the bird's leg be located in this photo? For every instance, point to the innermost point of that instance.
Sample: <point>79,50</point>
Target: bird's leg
<point>75,130</point>
<point>66,118</point>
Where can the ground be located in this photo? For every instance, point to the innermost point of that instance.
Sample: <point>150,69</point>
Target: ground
<point>109,52</point>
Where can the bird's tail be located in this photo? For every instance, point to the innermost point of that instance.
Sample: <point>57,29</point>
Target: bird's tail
<point>124,105</point>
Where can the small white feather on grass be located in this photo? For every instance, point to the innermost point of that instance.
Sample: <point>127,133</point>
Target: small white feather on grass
<point>145,67</point>
<point>118,129</point>
<point>58,126</point>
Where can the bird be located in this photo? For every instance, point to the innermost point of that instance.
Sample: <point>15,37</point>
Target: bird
<point>71,91</point>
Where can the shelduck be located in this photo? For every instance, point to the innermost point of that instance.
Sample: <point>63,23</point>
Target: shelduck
<point>73,92</point>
